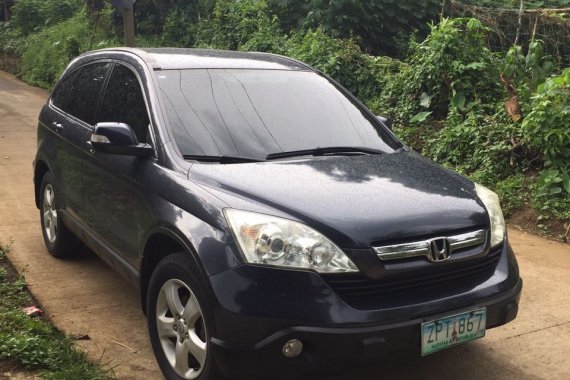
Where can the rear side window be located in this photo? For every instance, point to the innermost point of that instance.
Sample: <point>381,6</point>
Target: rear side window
<point>124,102</point>
<point>61,94</point>
<point>83,100</point>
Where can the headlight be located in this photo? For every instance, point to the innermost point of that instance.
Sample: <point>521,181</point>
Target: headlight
<point>271,240</point>
<point>491,201</point>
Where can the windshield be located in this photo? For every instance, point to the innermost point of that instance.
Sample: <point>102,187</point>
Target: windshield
<point>254,113</point>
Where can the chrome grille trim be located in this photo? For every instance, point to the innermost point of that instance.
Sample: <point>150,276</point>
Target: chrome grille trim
<point>422,247</point>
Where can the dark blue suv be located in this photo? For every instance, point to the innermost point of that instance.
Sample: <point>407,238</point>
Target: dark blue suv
<point>272,223</point>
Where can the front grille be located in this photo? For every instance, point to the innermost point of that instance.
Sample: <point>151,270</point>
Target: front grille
<point>454,244</point>
<point>362,292</point>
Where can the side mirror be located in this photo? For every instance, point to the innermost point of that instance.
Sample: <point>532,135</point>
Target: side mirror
<point>388,122</point>
<point>118,138</point>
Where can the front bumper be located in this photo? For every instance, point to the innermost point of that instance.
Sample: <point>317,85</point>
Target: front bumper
<point>337,347</point>
<point>263,309</point>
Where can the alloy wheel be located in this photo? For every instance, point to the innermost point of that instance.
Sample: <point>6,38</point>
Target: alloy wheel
<point>181,329</point>
<point>50,213</point>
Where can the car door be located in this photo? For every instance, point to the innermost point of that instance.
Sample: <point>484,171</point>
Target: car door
<point>73,111</point>
<point>118,211</point>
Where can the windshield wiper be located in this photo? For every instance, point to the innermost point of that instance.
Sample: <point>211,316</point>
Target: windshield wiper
<point>221,159</point>
<point>324,151</point>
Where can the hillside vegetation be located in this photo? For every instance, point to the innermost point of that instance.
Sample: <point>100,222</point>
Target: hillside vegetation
<point>496,112</point>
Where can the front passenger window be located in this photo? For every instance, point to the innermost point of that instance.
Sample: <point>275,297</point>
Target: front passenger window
<point>124,102</point>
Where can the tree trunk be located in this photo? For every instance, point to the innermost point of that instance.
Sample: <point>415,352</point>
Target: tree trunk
<point>6,11</point>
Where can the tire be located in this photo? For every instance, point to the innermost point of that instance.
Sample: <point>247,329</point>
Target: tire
<point>177,306</point>
<point>59,240</point>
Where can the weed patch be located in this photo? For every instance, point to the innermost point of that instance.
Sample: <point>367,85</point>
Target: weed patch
<point>32,343</point>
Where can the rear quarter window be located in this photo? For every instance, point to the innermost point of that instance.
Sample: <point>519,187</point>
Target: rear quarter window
<point>83,100</point>
<point>60,95</point>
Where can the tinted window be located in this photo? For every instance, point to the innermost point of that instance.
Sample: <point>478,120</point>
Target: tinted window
<point>83,100</point>
<point>61,93</point>
<point>253,113</point>
<point>124,102</point>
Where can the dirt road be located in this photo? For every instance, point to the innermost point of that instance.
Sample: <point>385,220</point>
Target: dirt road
<point>83,296</point>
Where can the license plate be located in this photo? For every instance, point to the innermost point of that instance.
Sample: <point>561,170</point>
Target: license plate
<point>452,330</point>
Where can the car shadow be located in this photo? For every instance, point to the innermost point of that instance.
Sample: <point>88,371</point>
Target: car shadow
<point>475,360</point>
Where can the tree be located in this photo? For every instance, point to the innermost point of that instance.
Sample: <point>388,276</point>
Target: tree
<point>5,10</point>
<point>32,15</point>
<point>94,6</point>
<point>383,26</point>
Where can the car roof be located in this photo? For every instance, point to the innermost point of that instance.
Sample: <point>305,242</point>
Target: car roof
<point>184,58</point>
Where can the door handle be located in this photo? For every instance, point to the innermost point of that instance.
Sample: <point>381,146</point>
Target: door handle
<point>58,127</point>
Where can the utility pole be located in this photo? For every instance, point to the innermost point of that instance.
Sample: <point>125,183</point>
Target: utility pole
<point>126,7</point>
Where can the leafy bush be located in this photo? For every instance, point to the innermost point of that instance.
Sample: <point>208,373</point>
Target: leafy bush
<point>234,23</point>
<point>547,124</point>
<point>512,191</point>
<point>446,97</point>
<point>32,15</point>
<point>478,143</point>
<point>452,68</point>
<point>46,54</point>
<point>342,59</point>
<point>10,38</point>
<point>527,71</point>
<point>550,195</point>
<point>379,25</point>
<point>547,133</point>
<point>180,27</point>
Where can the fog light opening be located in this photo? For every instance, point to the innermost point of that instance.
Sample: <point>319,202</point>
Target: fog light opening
<point>292,348</point>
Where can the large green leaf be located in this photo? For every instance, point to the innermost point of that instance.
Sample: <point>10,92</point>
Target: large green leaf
<point>425,100</point>
<point>458,100</point>
<point>566,184</point>
<point>420,117</point>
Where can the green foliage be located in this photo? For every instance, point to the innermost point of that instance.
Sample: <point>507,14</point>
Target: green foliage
<point>181,24</point>
<point>4,249</point>
<point>527,71</point>
<point>342,59</point>
<point>453,78</point>
<point>34,343</point>
<point>452,68</point>
<point>546,132</point>
<point>46,54</point>
<point>32,15</point>
<point>511,191</point>
<point>240,24</point>
<point>516,3</point>
<point>547,124</point>
<point>448,96</point>
<point>10,38</point>
<point>551,193</point>
<point>380,25</point>
<point>553,182</point>
<point>477,143</point>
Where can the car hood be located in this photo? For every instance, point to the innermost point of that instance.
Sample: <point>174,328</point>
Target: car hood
<point>356,201</point>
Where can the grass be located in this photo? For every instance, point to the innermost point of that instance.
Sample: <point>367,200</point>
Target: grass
<point>32,343</point>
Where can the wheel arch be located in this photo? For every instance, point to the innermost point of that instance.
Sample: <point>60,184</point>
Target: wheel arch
<point>160,243</point>
<point>40,169</point>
